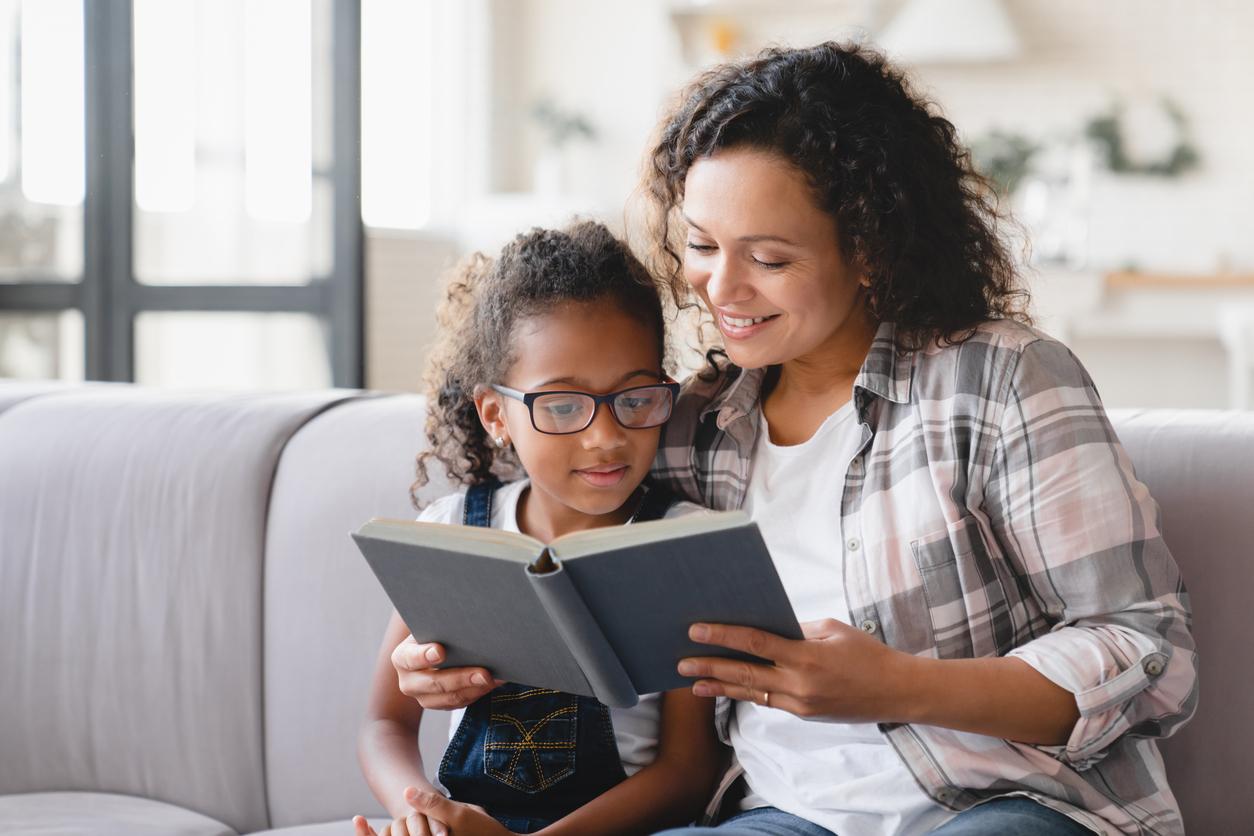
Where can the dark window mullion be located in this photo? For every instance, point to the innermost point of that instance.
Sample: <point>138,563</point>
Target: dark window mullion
<point>344,314</point>
<point>311,298</point>
<point>107,213</point>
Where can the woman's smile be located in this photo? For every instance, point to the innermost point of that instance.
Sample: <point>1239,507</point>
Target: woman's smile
<point>743,327</point>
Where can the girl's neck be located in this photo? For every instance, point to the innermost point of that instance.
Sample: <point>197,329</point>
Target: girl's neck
<point>546,518</point>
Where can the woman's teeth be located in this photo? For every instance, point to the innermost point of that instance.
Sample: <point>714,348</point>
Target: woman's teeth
<point>744,323</point>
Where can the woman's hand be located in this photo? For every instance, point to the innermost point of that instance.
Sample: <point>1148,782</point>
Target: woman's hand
<point>462,819</point>
<point>417,677</point>
<point>835,673</point>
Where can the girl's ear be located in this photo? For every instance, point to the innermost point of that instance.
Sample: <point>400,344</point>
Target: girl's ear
<point>491,408</point>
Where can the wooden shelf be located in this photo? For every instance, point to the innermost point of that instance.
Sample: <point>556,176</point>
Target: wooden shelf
<point>1177,281</point>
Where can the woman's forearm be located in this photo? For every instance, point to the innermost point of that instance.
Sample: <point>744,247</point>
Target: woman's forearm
<point>1001,697</point>
<point>390,759</point>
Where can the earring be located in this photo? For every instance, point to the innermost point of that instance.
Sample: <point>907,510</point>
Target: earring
<point>500,442</point>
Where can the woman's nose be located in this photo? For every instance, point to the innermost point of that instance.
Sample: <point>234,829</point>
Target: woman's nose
<point>726,284</point>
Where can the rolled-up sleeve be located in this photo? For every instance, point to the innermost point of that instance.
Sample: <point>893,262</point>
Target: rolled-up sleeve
<point>1083,532</point>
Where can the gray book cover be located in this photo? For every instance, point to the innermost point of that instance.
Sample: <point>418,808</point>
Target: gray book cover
<point>609,620</point>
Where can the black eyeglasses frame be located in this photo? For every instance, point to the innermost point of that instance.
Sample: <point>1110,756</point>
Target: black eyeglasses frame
<point>529,398</point>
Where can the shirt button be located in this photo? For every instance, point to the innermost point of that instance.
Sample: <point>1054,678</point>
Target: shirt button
<point>869,626</point>
<point>945,795</point>
<point>853,545</point>
<point>1153,667</point>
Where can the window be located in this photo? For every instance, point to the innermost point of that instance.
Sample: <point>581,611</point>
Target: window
<point>179,186</point>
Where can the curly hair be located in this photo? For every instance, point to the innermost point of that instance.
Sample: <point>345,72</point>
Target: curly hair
<point>910,209</point>
<point>485,300</point>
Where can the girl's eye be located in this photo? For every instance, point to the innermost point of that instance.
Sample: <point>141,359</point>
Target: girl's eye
<point>701,248</point>
<point>561,410</point>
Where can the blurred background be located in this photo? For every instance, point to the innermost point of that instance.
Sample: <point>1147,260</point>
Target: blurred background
<point>264,193</point>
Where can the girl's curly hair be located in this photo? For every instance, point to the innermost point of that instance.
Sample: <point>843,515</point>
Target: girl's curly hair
<point>910,209</point>
<point>485,300</point>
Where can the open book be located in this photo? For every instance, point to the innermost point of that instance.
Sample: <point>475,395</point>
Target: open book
<point>603,613</point>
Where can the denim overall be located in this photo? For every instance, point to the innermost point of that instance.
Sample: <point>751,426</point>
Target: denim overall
<point>530,756</point>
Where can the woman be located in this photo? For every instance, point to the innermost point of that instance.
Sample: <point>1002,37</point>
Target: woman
<point>991,615</point>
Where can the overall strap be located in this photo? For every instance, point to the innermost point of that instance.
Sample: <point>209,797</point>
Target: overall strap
<point>658,499</point>
<point>478,508</point>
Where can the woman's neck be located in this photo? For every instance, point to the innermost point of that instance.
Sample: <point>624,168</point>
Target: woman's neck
<point>805,390</point>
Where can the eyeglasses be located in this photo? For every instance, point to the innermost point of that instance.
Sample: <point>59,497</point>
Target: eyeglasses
<point>562,413</point>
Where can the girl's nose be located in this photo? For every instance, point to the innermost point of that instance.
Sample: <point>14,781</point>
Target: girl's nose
<point>604,432</point>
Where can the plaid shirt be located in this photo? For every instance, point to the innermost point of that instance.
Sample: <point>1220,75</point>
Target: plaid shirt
<point>991,511</point>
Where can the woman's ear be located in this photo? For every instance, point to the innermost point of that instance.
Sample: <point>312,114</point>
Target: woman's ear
<point>491,408</point>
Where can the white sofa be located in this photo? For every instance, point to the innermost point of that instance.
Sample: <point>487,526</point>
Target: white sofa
<point>187,629</point>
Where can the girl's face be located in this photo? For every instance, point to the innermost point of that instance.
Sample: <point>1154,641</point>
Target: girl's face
<point>767,261</point>
<point>584,347</point>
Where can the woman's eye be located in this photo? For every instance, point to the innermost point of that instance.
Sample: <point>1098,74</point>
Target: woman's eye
<point>701,248</point>
<point>770,265</point>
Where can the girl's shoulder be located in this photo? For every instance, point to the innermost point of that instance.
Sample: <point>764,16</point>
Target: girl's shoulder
<point>446,509</point>
<point>450,509</point>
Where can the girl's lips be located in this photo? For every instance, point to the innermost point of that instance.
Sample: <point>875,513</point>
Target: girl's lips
<point>603,476</point>
<point>741,332</point>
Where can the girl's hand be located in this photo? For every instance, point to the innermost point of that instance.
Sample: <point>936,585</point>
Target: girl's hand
<point>418,678</point>
<point>462,819</point>
<point>836,672</point>
<point>415,824</point>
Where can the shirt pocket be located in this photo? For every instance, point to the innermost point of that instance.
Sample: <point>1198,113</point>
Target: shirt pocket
<point>964,590</point>
<point>531,738</point>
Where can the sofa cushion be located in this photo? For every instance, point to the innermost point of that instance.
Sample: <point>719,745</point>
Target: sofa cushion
<point>132,523</point>
<point>1199,466</point>
<point>324,610</point>
<point>328,828</point>
<point>102,814</point>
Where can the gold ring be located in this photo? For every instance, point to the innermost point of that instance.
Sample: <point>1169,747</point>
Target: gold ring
<point>766,698</point>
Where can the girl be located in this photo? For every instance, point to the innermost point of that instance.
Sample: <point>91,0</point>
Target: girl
<point>549,369</point>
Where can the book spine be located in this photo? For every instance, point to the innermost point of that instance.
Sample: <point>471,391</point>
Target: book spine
<point>584,638</point>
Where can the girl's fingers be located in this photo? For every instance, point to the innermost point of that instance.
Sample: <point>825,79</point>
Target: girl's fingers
<point>399,828</point>
<point>412,655</point>
<point>457,699</point>
<point>361,827</point>
<point>418,825</point>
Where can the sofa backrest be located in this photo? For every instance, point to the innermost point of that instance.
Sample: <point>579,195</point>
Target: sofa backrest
<point>1199,466</point>
<point>132,525</point>
<point>186,619</point>
<point>325,612</point>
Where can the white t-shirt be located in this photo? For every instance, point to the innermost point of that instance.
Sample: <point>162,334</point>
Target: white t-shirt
<point>636,729</point>
<point>843,776</point>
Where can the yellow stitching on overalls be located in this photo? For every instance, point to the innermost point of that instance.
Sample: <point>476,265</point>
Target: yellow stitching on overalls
<point>528,744</point>
<point>534,692</point>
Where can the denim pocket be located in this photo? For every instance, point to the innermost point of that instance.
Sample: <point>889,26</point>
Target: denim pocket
<point>531,737</point>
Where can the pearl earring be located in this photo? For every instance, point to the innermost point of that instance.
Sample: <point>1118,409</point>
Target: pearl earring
<point>500,442</point>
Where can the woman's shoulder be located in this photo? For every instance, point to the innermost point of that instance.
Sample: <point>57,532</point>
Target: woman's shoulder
<point>987,359</point>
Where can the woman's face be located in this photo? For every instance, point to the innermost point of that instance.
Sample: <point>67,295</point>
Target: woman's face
<point>767,261</point>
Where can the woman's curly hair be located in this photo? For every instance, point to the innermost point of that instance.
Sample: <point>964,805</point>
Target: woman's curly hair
<point>910,209</point>
<point>485,300</point>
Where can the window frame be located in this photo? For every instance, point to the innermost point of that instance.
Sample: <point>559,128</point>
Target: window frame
<point>108,293</point>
